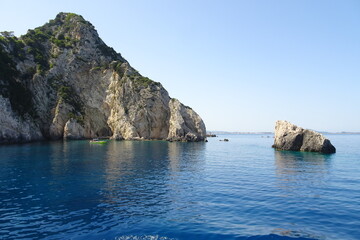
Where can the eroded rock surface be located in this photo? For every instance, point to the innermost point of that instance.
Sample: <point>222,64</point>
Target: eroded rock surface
<point>291,137</point>
<point>62,81</point>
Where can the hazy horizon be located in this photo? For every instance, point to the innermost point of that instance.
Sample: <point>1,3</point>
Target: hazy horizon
<point>241,65</point>
<point>273,131</point>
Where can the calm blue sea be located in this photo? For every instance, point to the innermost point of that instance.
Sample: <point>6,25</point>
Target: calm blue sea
<point>241,189</point>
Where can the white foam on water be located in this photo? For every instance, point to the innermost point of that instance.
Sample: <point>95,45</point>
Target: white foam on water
<point>143,237</point>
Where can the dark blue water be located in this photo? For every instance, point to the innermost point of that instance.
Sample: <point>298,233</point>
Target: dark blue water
<point>241,189</point>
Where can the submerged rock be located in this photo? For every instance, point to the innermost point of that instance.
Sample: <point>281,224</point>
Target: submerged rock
<point>62,81</point>
<point>291,137</point>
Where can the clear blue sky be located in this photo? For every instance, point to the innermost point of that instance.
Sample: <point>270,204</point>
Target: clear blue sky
<point>241,65</point>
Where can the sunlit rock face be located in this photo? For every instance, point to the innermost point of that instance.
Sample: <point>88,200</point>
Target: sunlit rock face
<point>291,137</point>
<point>62,81</point>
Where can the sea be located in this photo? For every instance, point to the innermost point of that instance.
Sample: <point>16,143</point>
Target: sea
<point>158,190</point>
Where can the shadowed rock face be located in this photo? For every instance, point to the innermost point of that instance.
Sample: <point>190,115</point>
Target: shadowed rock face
<point>62,81</point>
<point>291,137</point>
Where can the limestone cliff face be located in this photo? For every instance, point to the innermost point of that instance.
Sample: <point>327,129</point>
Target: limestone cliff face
<point>14,128</point>
<point>62,81</point>
<point>183,121</point>
<point>291,137</point>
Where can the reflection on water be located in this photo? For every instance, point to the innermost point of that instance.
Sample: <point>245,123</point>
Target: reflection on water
<point>145,178</point>
<point>298,170</point>
<point>134,176</point>
<point>186,156</point>
<point>82,187</point>
<point>163,190</point>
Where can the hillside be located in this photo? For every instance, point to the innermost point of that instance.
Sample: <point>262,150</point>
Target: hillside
<point>61,80</point>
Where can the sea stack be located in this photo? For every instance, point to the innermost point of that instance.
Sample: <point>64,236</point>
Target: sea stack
<point>293,138</point>
<point>61,81</point>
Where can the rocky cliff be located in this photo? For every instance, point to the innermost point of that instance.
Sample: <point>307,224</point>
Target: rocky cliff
<point>62,81</point>
<point>291,137</point>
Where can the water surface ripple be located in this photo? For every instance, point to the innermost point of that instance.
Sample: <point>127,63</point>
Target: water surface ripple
<point>241,189</point>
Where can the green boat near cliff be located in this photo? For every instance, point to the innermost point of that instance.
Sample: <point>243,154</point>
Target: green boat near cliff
<point>97,141</point>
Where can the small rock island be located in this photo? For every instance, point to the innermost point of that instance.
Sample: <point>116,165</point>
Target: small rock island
<point>293,138</point>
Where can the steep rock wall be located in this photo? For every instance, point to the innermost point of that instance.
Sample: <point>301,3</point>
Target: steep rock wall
<point>78,87</point>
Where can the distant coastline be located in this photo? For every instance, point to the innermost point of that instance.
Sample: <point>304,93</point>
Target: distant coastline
<point>235,133</point>
<point>340,132</point>
<point>265,133</point>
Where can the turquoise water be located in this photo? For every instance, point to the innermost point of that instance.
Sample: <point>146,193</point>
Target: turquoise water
<point>241,189</point>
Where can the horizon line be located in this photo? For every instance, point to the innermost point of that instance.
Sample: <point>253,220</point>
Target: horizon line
<point>270,132</point>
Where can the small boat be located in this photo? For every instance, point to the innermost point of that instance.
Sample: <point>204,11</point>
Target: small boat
<point>98,141</point>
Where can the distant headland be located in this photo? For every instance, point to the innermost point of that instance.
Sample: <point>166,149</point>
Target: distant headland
<point>61,81</point>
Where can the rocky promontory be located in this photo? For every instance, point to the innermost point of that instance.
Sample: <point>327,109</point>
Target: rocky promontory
<point>61,80</point>
<point>291,137</point>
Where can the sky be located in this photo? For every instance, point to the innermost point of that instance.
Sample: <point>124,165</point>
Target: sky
<point>241,65</point>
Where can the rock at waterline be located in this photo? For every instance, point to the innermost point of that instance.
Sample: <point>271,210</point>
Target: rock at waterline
<point>291,137</point>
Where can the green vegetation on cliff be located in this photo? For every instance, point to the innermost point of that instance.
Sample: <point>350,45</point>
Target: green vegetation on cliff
<point>63,42</point>
<point>63,70</point>
<point>35,40</point>
<point>143,81</point>
<point>19,96</point>
<point>106,50</point>
<point>69,96</point>
<point>16,45</point>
